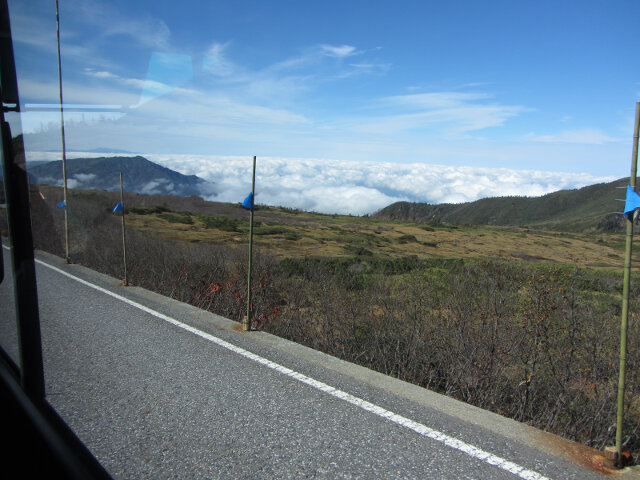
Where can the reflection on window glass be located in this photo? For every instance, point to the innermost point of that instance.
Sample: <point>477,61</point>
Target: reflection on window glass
<point>8,324</point>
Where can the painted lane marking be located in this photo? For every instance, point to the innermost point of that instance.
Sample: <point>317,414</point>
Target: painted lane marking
<point>419,428</point>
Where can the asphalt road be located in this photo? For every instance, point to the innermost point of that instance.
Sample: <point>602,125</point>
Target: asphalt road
<point>159,389</point>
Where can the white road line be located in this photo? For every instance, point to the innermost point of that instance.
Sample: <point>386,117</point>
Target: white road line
<point>419,428</point>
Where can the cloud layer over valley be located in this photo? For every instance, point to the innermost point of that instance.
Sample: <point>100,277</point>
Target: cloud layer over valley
<point>359,188</point>
<point>356,188</point>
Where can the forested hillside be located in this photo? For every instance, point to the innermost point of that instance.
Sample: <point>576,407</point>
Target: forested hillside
<point>103,173</point>
<point>590,208</point>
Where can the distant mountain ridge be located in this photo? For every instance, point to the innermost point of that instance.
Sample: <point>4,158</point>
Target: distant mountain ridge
<point>590,208</point>
<point>139,176</point>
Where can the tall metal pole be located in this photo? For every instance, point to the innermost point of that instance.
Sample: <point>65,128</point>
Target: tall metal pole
<point>246,324</point>
<point>625,293</point>
<point>124,240</point>
<point>64,148</point>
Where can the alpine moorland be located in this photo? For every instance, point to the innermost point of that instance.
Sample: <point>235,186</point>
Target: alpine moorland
<point>521,319</point>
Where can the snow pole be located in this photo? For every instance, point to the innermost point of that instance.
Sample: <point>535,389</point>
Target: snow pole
<point>625,297</point>
<point>124,239</point>
<point>246,324</point>
<point>64,147</point>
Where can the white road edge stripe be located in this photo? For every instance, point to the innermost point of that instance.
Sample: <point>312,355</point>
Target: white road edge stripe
<point>419,428</point>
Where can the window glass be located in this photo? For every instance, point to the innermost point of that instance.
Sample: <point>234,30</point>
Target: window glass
<point>8,325</point>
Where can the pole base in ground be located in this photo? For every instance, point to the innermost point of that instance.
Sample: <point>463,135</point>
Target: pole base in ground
<point>246,326</point>
<point>611,457</point>
<point>613,461</point>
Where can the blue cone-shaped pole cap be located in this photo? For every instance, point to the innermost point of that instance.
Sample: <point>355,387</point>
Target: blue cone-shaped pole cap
<point>248,202</point>
<point>633,202</point>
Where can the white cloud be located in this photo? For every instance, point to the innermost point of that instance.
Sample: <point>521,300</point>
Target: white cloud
<point>51,180</point>
<point>216,61</point>
<point>101,74</point>
<point>84,177</point>
<point>36,91</point>
<point>434,100</point>
<point>285,81</point>
<point>73,183</point>
<point>29,29</point>
<point>33,24</point>
<point>148,87</point>
<point>585,136</point>
<point>145,30</point>
<point>358,188</point>
<point>178,117</point>
<point>341,51</point>
<point>451,114</point>
<point>155,187</point>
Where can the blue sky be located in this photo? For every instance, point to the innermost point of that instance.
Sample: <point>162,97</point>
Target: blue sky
<point>546,85</point>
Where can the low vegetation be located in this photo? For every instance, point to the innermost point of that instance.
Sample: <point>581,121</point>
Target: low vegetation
<point>518,321</point>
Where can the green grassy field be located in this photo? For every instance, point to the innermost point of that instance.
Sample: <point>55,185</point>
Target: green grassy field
<point>285,233</point>
<point>289,233</point>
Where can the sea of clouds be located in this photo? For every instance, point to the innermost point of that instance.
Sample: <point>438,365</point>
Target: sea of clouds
<point>358,188</point>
